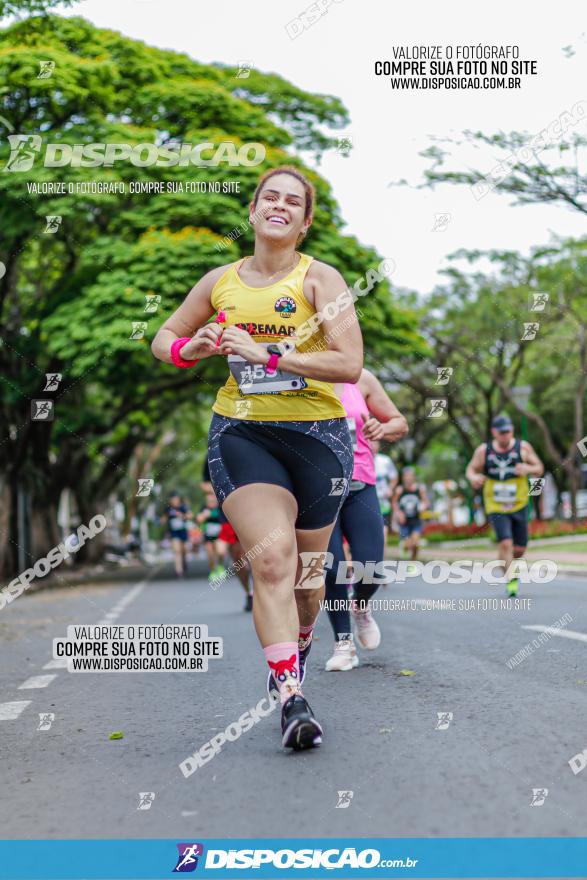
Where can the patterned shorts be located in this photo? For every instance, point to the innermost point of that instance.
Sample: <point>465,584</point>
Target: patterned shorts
<point>312,460</point>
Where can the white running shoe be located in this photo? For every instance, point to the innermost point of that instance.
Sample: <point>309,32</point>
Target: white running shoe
<point>344,657</point>
<point>367,632</point>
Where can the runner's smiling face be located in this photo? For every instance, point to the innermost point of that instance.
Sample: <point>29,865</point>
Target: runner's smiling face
<point>279,214</point>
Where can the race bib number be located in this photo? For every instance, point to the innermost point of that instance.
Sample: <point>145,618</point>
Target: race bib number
<point>212,530</point>
<point>504,493</point>
<point>353,429</point>
<point>253,378</point>
<point>411,506</point>
<point>175,523</point>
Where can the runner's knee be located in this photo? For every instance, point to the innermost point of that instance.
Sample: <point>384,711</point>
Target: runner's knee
<point>273,567</point>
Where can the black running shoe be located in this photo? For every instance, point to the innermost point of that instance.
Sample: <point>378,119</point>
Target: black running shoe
<point>249,602</point>
<point>299,727</point>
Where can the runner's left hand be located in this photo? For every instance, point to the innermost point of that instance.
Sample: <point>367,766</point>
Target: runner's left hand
<point>237,341</point>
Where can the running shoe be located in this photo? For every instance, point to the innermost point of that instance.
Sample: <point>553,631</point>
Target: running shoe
<point>216,574</point>
<point>249,602</point>
<point>512,587</point>
<point>344,658</point>
<point>299,727</point>
<point>367,631</point>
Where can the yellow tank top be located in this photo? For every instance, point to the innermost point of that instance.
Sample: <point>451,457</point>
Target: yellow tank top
<point>272,314</point>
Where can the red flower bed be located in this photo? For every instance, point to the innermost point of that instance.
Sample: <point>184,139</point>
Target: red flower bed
<point>537,528</point>
<point>444,532</point>
<point>551,528</point>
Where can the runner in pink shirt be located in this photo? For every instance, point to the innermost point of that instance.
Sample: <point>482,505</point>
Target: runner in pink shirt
<point>371,416</point>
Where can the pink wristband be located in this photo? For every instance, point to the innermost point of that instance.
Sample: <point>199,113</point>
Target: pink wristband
<point>175,355</point>
<point>271,366</point>
<point>220,319</point>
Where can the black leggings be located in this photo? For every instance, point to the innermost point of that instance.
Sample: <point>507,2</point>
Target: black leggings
<point>361,524</point>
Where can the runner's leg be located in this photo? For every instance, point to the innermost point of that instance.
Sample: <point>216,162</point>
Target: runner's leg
<point>337,594</point>
<point>309,593</point>
<point>177,556</point>
<point>415,537</point>
<point>361,522</point>
<point>344,657</point>
<point>261,509</point>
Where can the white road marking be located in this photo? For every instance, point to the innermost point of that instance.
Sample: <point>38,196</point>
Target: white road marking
<point>36,681</point>
<point>120,606</point>
<point>59,663</point>
<point>556,631</point>
<point>11,711</point>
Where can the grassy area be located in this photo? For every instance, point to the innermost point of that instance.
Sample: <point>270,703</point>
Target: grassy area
<point>567,546</point>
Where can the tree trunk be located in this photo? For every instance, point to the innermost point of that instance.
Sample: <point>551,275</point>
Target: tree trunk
<point>6,527</point>
<point>93,549</point>
<point>44,527</point>
<point>573,482</point>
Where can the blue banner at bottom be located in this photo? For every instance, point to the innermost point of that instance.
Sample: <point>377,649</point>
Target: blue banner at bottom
<point>453,858</point>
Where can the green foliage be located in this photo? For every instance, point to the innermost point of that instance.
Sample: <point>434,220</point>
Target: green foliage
<point>68,300</point>
<point>32,7</point>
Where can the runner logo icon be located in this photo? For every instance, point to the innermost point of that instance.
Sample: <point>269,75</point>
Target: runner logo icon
<point>285,305</point>
<point>188,857</point>
<point>24,149</point>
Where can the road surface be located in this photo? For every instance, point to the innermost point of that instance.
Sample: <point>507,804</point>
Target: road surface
<point>513,728</point>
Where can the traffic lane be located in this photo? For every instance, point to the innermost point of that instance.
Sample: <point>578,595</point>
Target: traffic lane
<point>379,742</point>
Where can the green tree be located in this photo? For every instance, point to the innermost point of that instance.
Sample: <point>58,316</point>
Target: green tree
<point>523,324</point>
<point>68,300</point>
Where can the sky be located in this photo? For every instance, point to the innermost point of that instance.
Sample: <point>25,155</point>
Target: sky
<point>389,128</point>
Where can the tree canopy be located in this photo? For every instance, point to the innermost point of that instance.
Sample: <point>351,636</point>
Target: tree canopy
<point>70,295</point>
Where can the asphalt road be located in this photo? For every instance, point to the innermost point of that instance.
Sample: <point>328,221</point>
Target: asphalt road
<point>512,729</point>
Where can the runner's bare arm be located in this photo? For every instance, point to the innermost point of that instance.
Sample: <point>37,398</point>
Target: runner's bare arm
<point>474,472</point>
<point>388,424</point>
<point>531,464</point>
<point>342,361</point>
<point>190,318</point>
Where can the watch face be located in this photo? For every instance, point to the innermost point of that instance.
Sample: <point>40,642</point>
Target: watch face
<point>274,349</point>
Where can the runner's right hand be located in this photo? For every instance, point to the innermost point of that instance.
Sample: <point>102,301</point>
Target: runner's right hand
<point>203,343</point>
<point>477,480</point>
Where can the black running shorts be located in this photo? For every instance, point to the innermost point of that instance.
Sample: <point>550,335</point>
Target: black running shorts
<point>511,526</point>
<point>312,460</point>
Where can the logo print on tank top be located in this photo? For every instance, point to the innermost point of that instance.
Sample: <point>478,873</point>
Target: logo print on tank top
<point>503,466</point>
<point>286,306</point>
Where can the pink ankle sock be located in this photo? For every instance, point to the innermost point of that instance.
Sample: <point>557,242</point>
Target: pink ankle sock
<point>305,633</point>
<point>284,663</point>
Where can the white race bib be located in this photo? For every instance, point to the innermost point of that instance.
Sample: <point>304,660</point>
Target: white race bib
<point>175,523</point>
<point>504,493</point>
<point>253,378</point>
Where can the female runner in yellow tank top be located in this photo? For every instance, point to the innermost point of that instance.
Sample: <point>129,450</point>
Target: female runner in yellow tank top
<point>279,448</point>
